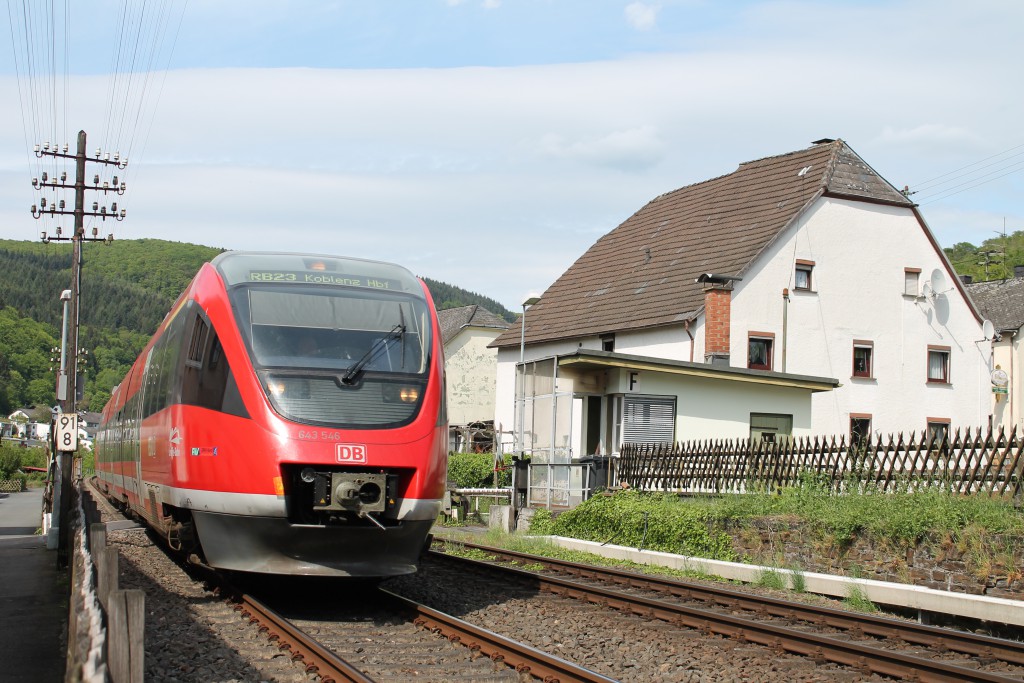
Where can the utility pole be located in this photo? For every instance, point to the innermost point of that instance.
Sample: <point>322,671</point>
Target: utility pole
<point>68,382</point>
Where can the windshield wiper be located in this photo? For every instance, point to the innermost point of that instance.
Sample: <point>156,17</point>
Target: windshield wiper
<point>379,347</point>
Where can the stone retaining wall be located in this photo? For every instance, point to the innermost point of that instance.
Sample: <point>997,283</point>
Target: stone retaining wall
<point>980,565</point>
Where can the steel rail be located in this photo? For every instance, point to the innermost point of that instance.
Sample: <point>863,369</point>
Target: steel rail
<point>523,658</point>
<point>856,655</point>
<point>973,644</point>
<point>317,659</point>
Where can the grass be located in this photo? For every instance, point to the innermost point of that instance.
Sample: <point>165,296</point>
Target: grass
<point>857,600</point>
<point>773,579</point>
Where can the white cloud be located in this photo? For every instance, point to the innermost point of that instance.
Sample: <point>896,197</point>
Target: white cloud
<point>641,16</point>
<point>630,149</point>
<point>932,134</point>
<point>497,179</point>
<point>491,4</point>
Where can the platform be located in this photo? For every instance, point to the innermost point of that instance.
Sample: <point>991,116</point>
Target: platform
<point>33,594</point>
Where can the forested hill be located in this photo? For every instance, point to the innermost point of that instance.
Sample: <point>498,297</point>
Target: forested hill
<point>127,288</point>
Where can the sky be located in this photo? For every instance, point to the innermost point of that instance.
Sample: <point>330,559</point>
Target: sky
<point>489,143</point>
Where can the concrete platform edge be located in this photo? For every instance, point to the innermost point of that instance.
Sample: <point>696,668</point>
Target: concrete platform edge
<point>983,607</point>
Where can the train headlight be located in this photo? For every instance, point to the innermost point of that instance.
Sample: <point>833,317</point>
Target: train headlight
<point>288,388</point>
<point>402,393</point>
<point>307,475</point>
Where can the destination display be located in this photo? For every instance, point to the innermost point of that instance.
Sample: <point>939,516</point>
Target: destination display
<point>322,278</point>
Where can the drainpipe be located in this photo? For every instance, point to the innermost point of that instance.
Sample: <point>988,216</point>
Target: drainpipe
<point>785,328</point>
<point>686,326</point>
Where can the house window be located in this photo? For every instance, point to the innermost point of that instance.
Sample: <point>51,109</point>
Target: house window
<point>912,281</point>
<point>759,350</point>
<point>649,419</point>
<point>860,428</point>
<point>608,342</point>
<point>938,429</point>
<point>863,351</point>
<point>938,364</point>
<point>770,428</point>
<point>802,278</point>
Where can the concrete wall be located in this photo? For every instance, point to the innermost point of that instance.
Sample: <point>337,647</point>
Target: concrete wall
<point>471,371</point>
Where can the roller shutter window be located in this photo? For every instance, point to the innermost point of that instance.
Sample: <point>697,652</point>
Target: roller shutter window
<point>649,419</point>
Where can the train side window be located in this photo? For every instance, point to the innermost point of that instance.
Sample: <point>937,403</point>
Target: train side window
<point>197,345</point>
<point>211,384</point>
<point>192,372</point>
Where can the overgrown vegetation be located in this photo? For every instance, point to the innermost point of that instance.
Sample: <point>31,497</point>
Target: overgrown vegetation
<point>476,470</point>
<point>13,458</point>
<point>655,522</point>
<point>703,527</point>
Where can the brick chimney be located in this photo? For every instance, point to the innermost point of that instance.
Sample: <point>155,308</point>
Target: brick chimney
<point>717,316</point>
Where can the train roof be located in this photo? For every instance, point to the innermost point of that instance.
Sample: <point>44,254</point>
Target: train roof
<point>242,267</point>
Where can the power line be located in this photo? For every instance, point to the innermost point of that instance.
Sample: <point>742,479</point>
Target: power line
<point>971,184</point>
<point>1006,165</point>
<point>926,182</point>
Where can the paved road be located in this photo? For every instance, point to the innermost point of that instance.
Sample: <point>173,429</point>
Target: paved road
<point>33,595</point>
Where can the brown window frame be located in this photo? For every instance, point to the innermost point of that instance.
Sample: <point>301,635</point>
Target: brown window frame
<point>769,339</point>
<point>917,288</point>
<point>945,379</point>
<point>932,424</point>
<point>860,417</point>
<point>870,346</point>
<point>804,266</point>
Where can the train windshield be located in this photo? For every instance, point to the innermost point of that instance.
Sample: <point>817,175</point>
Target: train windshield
<point>339,356</point>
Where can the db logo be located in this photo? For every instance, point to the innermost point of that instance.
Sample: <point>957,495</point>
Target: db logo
<point>351,452</point>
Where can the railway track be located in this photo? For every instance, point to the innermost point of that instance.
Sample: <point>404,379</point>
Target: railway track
<point>385,637</point>
<point>888,647</point>
<point>341,631</point>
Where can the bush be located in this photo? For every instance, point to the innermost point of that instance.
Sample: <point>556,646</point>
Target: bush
<point>476,470</point>
<point>10,461</point>
<point>654,522</point>
<point>12,458</point>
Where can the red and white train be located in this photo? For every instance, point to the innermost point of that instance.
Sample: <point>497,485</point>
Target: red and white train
<point>288,417</point>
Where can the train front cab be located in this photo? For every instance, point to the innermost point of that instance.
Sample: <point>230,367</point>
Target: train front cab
<point>344,385</point>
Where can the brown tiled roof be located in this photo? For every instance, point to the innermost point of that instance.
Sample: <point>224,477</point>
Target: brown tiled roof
<point>454,319</point>
<point>1001,301</point>
<point>641,274</point>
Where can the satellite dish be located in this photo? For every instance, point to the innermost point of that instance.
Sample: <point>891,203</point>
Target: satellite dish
<point>938,281</point>
<point>988,329</point>
<point>926,291</point>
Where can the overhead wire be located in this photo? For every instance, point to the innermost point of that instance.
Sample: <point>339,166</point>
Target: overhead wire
<point>940,187</point>
<point>145,37</point>
<point>971,184</point>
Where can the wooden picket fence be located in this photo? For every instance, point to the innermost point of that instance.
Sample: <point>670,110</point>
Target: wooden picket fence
<point>969,462</point>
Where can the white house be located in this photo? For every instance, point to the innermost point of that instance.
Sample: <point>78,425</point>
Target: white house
<point>806,265</point>
<point>1002,302</point>
<point>470,366</point>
